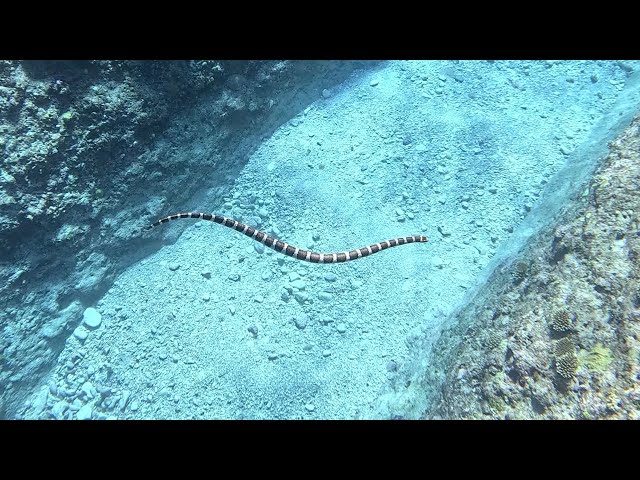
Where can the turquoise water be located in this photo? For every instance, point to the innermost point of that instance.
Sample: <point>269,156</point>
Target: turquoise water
<point>211,325</point>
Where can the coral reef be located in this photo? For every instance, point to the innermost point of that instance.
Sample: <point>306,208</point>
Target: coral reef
<point>561,321</point>
<point>520,271</point>
<point>566,365</point>
<point>494,341</point>
<point>564,346</point>
<point>583,361</point>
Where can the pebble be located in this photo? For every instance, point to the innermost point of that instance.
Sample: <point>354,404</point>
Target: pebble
<point>206,273</point>
<point>266,275</point>
<point>301,321</point>
<point>81,334</point>
<point>315,236</point>
<point>110,403</point>
<point>258,247</point>
<point>88,389</point>
<point>325,296</point>
<point>58,409</point>
<point>299,284</point>
<point>330,277</point>
<point>40,402</point>
<point>493,190</point>
<point>258,299</point>
<point>301,296</point>
<point>134,406</point>
<point>174,266</point>
<point>162,355</point>
<point>254,221</point>
<point>253,330</point>
<point>103,391</point>
<point>92,318</point>
<point>565,150</point>
<point>326,353</point>
<point>124,399</point>
<point>341,328</point>
<point>326,93</point>
<point>84,413</point>
<point>232,309</point>
<point>206,297</point>
<point>234,277</point>
<point>293,276</point>
<point>310,407</point>
<point>272,356</point>
<point>374,83</point>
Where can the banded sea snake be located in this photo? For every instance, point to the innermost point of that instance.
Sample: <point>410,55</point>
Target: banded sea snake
<point>289,250</point>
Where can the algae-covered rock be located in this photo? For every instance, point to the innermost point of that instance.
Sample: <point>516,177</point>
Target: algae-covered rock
<point>598,359</point>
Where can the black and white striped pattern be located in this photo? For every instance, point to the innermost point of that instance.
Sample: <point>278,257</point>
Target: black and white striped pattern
<point>289,250</point>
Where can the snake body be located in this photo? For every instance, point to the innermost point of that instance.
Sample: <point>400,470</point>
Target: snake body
<point>289,250</point>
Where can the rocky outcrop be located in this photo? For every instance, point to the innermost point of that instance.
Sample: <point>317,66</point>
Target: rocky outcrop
<point>91,150</point>
<point>555,331</point>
